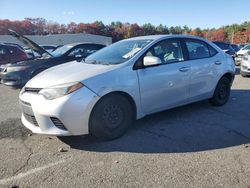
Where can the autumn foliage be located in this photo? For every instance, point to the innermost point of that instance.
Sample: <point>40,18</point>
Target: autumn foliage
<point>236,33</point>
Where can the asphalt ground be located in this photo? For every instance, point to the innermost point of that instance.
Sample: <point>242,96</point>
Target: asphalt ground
<point>195,145</point>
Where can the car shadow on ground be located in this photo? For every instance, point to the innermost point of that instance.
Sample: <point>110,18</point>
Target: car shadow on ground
<point>191,128</point>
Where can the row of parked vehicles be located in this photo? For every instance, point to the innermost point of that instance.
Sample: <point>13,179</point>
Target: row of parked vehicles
<point>105,92</point>
<point>236,51</point>
<point>240,55</point>
<point>18,65</point>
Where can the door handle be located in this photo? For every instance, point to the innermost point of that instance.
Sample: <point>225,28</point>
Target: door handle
<point>217,63</point>
<point>184,69</point>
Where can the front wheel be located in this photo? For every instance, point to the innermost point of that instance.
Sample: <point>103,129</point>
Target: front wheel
<point>111,117</point>
<point>221,93</point>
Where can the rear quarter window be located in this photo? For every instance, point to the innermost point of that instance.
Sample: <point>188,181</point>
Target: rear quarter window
<point>212,51</point>
<point>197,49</point>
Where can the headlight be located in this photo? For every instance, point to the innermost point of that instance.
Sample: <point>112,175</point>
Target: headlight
<point>13,69</point>
<point>60,90</point>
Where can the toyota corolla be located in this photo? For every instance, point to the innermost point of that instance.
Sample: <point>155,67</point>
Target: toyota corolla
<point>128,80</point>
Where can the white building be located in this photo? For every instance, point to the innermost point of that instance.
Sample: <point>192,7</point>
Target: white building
<point>60,39</point>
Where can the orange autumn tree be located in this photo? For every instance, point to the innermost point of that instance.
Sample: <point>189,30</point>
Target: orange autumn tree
<point>236,33</point>
<point>242,37</point>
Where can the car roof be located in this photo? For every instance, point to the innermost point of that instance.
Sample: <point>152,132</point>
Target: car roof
<point>156,37</point>
<point>10,44</point>
<point>222,42</point>
<point>80,43</point>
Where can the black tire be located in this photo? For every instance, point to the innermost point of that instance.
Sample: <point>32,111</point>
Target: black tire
<point>111,117</point>
<point>221,93</point>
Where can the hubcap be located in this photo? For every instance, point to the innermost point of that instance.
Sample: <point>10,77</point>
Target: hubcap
<point>113,116</point>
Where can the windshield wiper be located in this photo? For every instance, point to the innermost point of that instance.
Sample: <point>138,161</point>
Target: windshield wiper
<point>97,62</point>
<point>106,63</point>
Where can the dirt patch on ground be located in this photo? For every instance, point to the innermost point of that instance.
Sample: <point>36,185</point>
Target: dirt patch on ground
<point>13,128</point>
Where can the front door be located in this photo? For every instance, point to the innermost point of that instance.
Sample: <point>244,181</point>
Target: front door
<point>165,85</point>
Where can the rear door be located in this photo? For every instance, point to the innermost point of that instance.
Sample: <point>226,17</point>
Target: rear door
<point>204,61</point>
<point>165,85</point>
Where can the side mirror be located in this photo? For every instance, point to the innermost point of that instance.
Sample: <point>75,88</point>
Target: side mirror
<point>151,60</point>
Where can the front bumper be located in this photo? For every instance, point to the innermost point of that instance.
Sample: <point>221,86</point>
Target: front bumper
<point>14,79</point>
<point>245,67</point>
<point>72,112</point>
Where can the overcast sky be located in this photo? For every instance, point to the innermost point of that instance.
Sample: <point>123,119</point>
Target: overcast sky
<point>193,13</point>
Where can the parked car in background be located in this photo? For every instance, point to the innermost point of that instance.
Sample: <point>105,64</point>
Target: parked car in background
<point>11,53</point>
<point>235,47</point>
<point>125,81</point>
<point>245,65</point>
<point>242,45</point>
<point>33,54</point>
<point>241,53</point>
<point>18,74</point>
<point>227,48</point>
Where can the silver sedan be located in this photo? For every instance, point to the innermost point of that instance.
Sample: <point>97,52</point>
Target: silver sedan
<point>128,80</point>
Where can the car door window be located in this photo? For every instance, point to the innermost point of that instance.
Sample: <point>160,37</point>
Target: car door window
<point>212,51</point>
<point>197,50</point>
<point>168,51</point>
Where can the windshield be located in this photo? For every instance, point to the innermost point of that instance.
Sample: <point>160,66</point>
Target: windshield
<point>246,47</point>
<point>118,52</point>
<point>62,50</point>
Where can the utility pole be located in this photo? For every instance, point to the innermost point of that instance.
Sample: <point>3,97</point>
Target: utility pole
<point>232,39</point>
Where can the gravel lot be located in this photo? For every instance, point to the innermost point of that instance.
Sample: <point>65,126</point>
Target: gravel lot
<point>192,146</point>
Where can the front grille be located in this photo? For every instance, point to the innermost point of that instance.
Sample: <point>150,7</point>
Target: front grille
<point>58,123</point>
<point>32,90</point>
<point>31,119</point>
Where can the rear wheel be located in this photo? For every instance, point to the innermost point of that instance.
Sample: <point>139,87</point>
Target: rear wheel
<point>111,117</point>
<point>221,93</point>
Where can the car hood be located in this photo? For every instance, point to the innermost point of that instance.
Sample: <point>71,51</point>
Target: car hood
<point>31,44</point>
<point>30,62</point>
<point>66,73</point>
